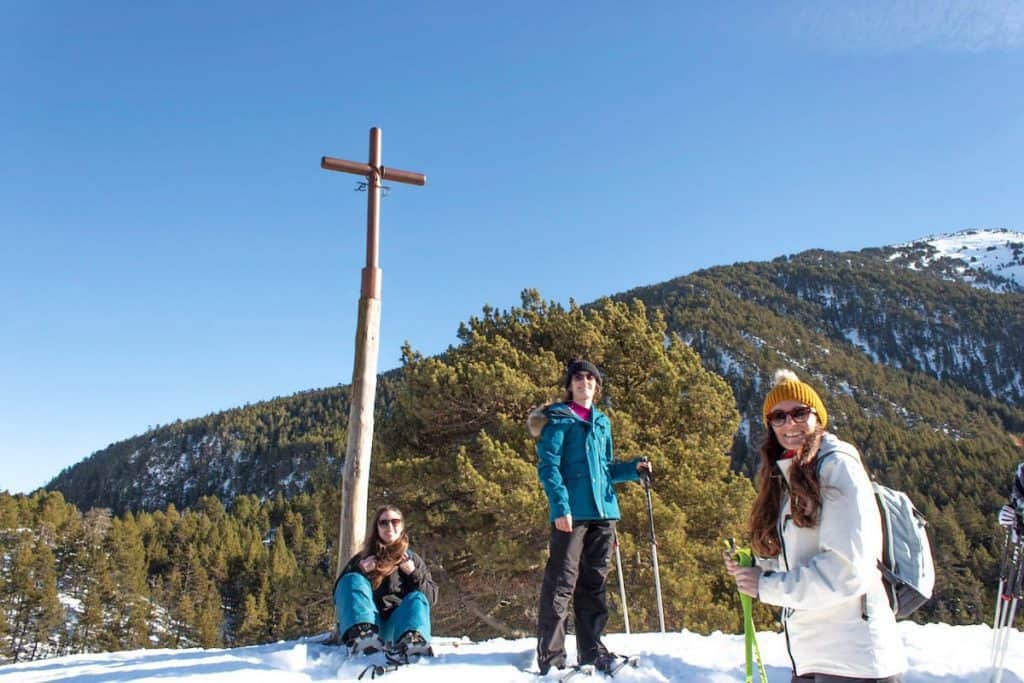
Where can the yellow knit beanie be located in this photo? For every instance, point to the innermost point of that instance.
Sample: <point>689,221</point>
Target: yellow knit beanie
<point>786,386</point>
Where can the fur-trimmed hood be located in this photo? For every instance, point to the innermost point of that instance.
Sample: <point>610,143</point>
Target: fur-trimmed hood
<point>536,420</point>
<point>539,416</point>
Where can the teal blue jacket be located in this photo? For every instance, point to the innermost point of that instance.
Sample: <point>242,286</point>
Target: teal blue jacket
<point>576,465</point>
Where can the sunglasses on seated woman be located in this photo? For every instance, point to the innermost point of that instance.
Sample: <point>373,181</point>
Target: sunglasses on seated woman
<point>777,418</point>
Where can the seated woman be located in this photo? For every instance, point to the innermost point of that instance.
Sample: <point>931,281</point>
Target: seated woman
<point>382,597</point>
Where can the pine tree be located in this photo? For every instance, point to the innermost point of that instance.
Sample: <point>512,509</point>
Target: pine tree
<point>462,464</point>
<point>30,598</point>
<point>6,652</point>
<point>255,616</point>
<point>129,605</point>
<point>98,588</point>
<point>281,599</point>
<point>209,618</point>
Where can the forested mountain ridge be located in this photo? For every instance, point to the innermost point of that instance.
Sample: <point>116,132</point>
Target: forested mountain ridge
<point>266,448</point>
<point>284,445</point>
<point>889,340</point>
<point>905,307</point>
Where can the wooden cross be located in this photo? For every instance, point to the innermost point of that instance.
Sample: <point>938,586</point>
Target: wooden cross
<point>356,475</point>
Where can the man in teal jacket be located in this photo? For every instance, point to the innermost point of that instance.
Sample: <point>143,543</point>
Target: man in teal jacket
<point>577,469</point>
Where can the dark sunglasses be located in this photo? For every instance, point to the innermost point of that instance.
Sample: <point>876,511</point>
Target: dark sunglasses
<point>580,376</point>
<point>393,522</point>
<point>777,418</point>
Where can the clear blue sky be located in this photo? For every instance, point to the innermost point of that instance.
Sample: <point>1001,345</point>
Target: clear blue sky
<point>171,248</point>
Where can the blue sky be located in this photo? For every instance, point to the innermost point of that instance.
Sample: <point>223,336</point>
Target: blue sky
<point>170,246</point>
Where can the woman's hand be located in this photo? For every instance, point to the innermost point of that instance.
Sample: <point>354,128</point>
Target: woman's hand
<point>368,563</point>
<point>564,523</point>
<point>644,466</point>
<point>746,577</point>
<point>408,566</point>
<point>1008,519</point>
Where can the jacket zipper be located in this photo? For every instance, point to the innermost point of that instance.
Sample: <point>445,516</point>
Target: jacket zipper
<point>589,431</point>
<point>782,543</point>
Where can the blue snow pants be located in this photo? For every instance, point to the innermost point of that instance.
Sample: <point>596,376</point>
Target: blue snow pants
<point>353,604</point>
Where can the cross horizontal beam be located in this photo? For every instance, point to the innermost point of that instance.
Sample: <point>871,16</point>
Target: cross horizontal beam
<point>358,168</point>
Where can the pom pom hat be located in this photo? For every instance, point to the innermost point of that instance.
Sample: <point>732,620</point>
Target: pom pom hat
<point>786,386</point>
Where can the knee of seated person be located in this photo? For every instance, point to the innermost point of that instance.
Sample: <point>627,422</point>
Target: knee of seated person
<point>349,583</point>
<point>418,596</point>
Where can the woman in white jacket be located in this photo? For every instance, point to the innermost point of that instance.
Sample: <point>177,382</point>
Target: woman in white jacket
<point>817,535</point>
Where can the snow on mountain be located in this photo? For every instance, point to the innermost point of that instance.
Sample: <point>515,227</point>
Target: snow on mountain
<point>938,653</point>
<point>998,253</point>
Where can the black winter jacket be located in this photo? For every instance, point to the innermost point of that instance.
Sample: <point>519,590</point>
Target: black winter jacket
<point>392,589</point>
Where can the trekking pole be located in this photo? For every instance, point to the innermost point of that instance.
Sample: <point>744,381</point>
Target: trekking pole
<point>1009,599</point>
<point>622,582</point>
<point>997,619</point>
<point>645,479</point>
<point>745,558</point>
<point>1011,577</point>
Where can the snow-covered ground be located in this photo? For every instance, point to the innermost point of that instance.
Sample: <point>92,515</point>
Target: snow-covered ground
<point>938,653</point>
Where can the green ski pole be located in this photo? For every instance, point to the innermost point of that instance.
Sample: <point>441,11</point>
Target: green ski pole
<point>745,558</point>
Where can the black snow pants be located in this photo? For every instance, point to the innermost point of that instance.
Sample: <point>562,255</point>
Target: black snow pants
<point>577,569</point>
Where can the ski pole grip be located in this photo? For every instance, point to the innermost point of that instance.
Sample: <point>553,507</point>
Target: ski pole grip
<point>743,556</point>
<point>645,474</point>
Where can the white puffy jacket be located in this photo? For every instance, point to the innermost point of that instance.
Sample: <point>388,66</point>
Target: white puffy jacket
<point>826,579</point>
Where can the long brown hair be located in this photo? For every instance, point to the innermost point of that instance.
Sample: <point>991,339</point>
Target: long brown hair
<point>804,491</point>
<point>389,556</point>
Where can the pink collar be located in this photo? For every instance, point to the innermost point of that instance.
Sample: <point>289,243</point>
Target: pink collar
<point>581,412</point>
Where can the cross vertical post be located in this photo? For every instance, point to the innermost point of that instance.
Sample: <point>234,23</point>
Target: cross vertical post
<point>356,474</point>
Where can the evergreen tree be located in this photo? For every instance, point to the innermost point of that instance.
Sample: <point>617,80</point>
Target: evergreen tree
<point>464,467</point>
<point>30,599</point>
<point>129,606</point>
<point>6,651</point>
<point>98,589</point>
<point>255,616</point>
<point>210,617</point>
<point>281,598</point>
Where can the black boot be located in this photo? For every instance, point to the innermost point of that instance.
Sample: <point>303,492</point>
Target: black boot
<point>609,663</point>
<point>362,639</point>
<point>412,644</point>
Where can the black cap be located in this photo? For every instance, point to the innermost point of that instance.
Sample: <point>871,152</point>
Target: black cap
<point>580,365</point>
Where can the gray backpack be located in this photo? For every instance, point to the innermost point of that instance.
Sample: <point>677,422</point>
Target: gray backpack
<point>908,570</point>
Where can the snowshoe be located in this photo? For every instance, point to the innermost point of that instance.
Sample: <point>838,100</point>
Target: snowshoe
<point>562,673</point>
<point>412,644</point>
<point>362,639</point>
<point>610,663</point>
<point>577,671</point>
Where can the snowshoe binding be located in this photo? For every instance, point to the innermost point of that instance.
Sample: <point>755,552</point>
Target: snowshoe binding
<point>362,639</point>
<point>610,663</point>
<point>411,645</point>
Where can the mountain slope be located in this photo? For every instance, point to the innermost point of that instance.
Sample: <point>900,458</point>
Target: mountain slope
<point>988,259</point>
<point>906,308</point>
<point>277,446</point>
